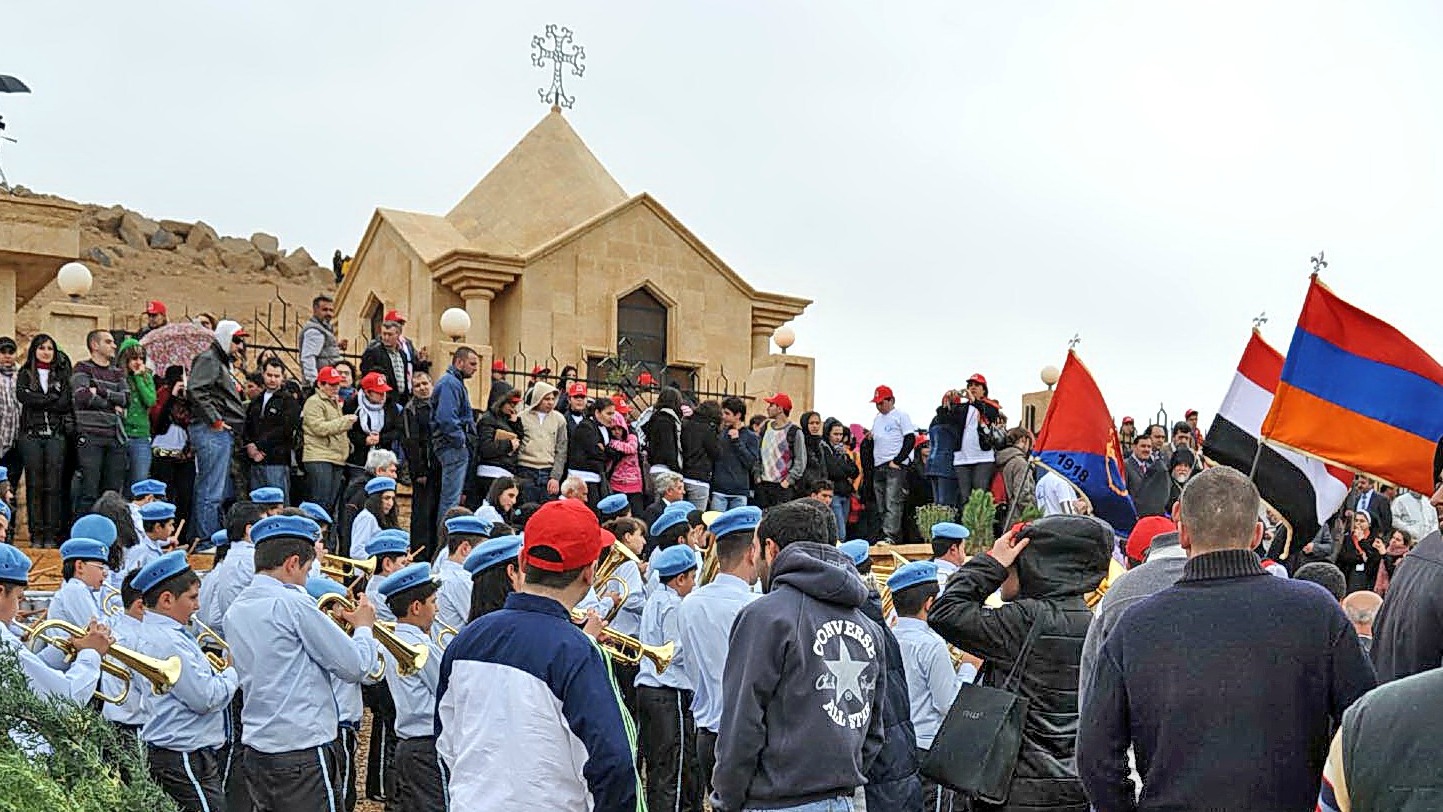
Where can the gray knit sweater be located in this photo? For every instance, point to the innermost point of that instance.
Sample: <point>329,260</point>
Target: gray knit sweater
<point>1165,560</point>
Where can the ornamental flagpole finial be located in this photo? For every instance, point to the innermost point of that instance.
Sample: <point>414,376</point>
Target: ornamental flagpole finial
<point>559,56</point>
<point>1319,263</point>
<point>1259,320</point>
<point>1076,339</point>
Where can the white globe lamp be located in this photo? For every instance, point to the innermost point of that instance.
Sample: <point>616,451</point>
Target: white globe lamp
<point>74,279</point>
<point>455,323</point>
<point>784,337</point>
<point>1050,376</point>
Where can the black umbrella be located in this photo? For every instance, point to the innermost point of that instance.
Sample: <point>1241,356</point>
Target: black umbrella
<point>9,84</point>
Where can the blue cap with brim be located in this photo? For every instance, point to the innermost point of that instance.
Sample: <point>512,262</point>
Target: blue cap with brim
<point>468,526</point>
<point>912,574</point>
<point>407,577</point>
<point>491,552</point>
<point>674,560</point>
<point>317,587</point>
<point>268,496</point>
<point>856,549</point>
<point>148,487</point>
<point>284,527</point>
<point>950,530</point>
<point>158,571</point>
<point>380,484</point>
<point>613,505</point>
<point>14,565</point>
<point>316,512</point>
<point>388,541</point>
<point>157,512</point>
<point>84,550</point>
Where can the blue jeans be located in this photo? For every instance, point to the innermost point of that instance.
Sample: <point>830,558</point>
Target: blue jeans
<point>323,486</point>
<point>137,449</point>
<point>452,462</point>
<point>944,490</point>
<point>213,449</point>
<point>828,805</point>
<point>697,493</point>
<point>725,502</point>
<point>275,476</point>
<point>533,484</point>
<point>841,507</point>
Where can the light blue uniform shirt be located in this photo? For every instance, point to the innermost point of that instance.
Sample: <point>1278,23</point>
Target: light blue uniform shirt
<point>220,586</point>
<point>74,602</point>
<point>126,631</point>
<point>77,683</point>
<point>415,696</point>
<point>628,619</point>
<point>286,651</point>
<point>453,601</point>
<point>144,552</point>
<point>931,679</point>
<point>659,626</point>
<point>349,706</point>
<point>705,619</point>
<point>373,594</point>
<point>191,716</point>
<point>944,571</point>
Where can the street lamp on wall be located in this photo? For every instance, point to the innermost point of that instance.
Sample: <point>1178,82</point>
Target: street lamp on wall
<point>455,323</point>
<point>74,280</point>
<point>784,337</point>
<point>1050,376</point>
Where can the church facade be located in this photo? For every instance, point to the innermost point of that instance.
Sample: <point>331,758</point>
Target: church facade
<point>554,261</point>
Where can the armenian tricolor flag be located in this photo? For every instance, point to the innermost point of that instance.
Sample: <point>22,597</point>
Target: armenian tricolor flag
<point>1357,393</point>
<point>1078,441</point>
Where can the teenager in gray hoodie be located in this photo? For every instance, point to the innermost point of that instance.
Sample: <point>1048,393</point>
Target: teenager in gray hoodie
<point>805,675</point>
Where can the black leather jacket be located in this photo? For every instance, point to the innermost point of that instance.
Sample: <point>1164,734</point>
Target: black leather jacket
<point>1067,558</point>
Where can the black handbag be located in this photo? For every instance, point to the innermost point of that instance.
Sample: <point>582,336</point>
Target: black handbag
<point>975,750</point>
<point>991,437</point>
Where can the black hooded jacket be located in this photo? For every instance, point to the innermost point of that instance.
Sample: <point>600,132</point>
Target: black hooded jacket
<point>1408,633</point>
<point>1067,558</point>
<point>893,780</point>
<point>491,451</point>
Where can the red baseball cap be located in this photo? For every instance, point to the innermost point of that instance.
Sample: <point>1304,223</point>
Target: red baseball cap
<point>1144,532</point>
<point>577,389</point>
<point>1127,420</point>
<point>498,365</point>
<point>394,315</point>
<point>883,393</point>
<point>562,535</point>
<point>239,333</point>
<point>374,382</point>
<point>540,370</point>
<point>978,377</point>
<point>1189,413</point>
<point>155,308</point>
<point>645,379</point>
<point>781,400</point>
<point>328,375</point>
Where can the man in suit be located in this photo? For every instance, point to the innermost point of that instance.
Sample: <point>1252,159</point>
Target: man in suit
<point>1376,505</point>
<point>1147,478</point>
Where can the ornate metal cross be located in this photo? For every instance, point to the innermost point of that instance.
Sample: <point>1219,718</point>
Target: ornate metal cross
<point>559,56</point>
<point>1319,263</point>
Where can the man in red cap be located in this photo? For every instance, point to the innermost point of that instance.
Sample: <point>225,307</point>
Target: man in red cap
<point>576,396</point>
<point>155,317</point>
<point>893,438</point>
<point>499,384</point>
<point>524,694</point>
<point>784,454</point>
<point>394,357</point>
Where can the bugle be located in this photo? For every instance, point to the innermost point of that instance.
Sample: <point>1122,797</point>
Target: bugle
<point>445,633</point>
<point>628,649</point>
<point>215,648</point>
<point>410,657</point>
<point>710,564</point>
<point>606,571</point>
<point>110,602</point>
<point>119,662</point>
<point>342,568</point>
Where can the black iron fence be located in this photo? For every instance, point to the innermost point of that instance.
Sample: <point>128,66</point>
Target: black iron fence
<point>639,382</point>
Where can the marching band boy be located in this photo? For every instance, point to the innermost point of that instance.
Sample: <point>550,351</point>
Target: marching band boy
<point>348,709</point>
<point>84,572</point>
<point>664,719</point>
<point>130,715</point>
<point>420,780</point>
<point>270,500</point>
<point>391,549</point>
<point>931,678</point>
<point>79,681</point>
<point>158,523</point>
<point>463,533</point>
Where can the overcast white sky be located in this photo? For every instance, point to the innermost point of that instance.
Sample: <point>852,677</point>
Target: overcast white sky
<point>960,186</point>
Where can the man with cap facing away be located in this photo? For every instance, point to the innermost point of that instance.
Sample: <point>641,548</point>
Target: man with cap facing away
<point>78,682</point>
<point>528,715</point>
<point>286,650</point>
<point>391,550</point>
<point>453,601</point>
<point>664,719</point>
<point>705,622</point>
<point>185,729</point>
<point>158,521</point>
<point>947,550</point>
<point>420,780</point>
<point>83,569</point>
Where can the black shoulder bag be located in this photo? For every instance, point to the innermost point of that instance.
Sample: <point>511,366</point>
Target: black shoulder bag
<point>975,750</point>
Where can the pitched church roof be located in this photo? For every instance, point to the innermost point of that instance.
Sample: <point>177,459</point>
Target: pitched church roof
<point>547,184</point>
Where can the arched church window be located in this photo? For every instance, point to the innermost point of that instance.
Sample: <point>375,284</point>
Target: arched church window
<point>641,330</point>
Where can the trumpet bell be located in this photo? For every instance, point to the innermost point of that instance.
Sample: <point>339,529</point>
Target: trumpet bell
<point>119,662</point>
<point>340,567</point>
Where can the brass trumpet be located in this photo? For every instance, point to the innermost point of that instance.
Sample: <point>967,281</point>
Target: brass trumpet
<point>628,649</point>
<point>210,641</point>
<point>111,609</point>
<point>119,662</point>
<point>606,571</point>
<point>445,633</point>
<point>880,573</point>
<point>342,568</point>
<point>710,564</point>
<point>410,658</point>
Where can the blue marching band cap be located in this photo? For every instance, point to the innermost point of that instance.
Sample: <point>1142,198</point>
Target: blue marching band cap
<point>14,565</point>
<point>412,575</point>
<point>268,496</point>
<point>950,530</point>
<point>316,512</point>
<point>613,505</point>
<point>917,572</point>
<point>380,484</point>
<point>491,552</point>
<point>84,550</point>
<point>94,526</point>
<point>5,511</point>
<point>736,520</point>
<point>674,560</point>
<point>468,526</point>
<point>156,572</point>
<point>316,587</point>
<point>157,511</point>
<point>148,487</point>
<point>390,540</point>
<point>220,538</point>
<point>856,549</point>
<point>284,527</point>
<point>668,519</point>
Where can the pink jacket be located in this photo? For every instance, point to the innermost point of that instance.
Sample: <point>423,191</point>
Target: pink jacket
<point>626,476</point>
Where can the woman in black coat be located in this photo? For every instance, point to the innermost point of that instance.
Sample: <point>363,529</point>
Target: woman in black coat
<point>586,454</point>
<point>663,432</point>
<point>42,385</point>
<point>498,438</point>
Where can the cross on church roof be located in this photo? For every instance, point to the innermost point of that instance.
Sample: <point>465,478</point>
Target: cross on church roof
<point>556,95</point>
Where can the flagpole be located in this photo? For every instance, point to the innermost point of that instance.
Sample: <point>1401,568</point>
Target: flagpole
<point>1256,454</point>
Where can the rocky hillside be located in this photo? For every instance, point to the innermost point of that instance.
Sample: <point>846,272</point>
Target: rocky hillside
<point>187,265</point>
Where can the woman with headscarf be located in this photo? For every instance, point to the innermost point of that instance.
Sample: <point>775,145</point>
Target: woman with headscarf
<point>816,470</point>
<point>43,388</point>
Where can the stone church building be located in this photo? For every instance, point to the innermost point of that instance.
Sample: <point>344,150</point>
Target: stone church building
<point>551,258</point>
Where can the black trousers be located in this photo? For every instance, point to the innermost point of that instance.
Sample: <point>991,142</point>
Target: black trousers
<point>380,781</point>
<point>425,496</point>
<point>346,772</point>
<point>295,781</point>
<point>192,780</point>
<point>178,474</point>
<point>420,778</point>
<point>770,494</point>
<point>44,488</point>
<point>935,797</point>
<point>705,758</point>
<point>626,682</point>
<point>233,779</point>
<point>102,467</point>
<point>667,737</point>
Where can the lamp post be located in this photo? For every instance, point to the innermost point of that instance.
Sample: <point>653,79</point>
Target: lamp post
<point>784,337</point>
<point>74,280</point>
<point>455,323</point>
<point>1050,376</point>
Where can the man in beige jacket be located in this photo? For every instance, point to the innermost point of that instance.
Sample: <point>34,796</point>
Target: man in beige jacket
<point>541,460</point>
